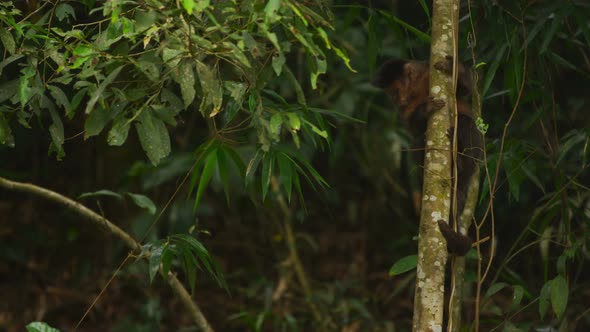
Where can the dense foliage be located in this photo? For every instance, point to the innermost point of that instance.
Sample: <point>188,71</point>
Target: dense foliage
<point>219,110</point>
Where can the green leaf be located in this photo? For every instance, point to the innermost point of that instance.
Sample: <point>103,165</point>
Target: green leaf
<point>238,54</point>
<point>561,264</point>
<point>56,129</point>
<point>155,259</point>
<point>188,241</point>
<point>305,39</point>
<point>238,162</point>
<point>201,154</point>
<point>544,299</point>
<point>153,137</point>
<point>186,80</point>
<point>252,102</point>
<point>60,98</point>
<point>277,63</point>
<point>582,24</point>
<point>267,168</point>
<point>273,39</point>
<point>210,163</point>
<point>201,252</point>
<point>223,171</point>
<point>149,68</point>
<point>190,265</point>
<point>569,141</point>
<point>317,130</point>
<point>40,327</point>
<point>317,177</point>
<point>559,295</point>
<point>212,91</point>
<point>7,41</point>
<point>76,100</point>
<point>275,123</point>
<point>143,202</point>
<point>201,5</point>
<point>9,60</point>
<point>164,113</point>
<point>9,89</point>
<point>286,171</point>
<point>298,89</point>
<point>344,57</point>
<point>145,20</point>
<point>294,121</point>
<point>555,24</point>
<point>188,5</point>
<point>172,57</point>
<point>517,296</point>
<point>63,11</point>
<point>253,165</point>
<point>25,91</point>
<point>103,192</point>
<point>172,100</point>
<point>168,254</point>
<point>95,122</point>
<point>119,132</point>
<point>236,90</point>
<point>248,42</point>
<point>100,90</point>
<point>495,288</point>
<point>299,191</point>
<point>6,137</point>
<point>425,9</point>
<point>271,9</point>
<point>424,37</point>
<point>321,68</point>
<point>404,265</point>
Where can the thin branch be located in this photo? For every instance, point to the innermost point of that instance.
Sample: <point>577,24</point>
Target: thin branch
<point>191,306</point>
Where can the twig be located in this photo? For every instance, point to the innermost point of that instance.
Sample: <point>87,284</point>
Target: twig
<point>191,306</point>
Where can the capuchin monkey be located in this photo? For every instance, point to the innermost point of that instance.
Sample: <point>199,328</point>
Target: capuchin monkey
<point>407,82</point>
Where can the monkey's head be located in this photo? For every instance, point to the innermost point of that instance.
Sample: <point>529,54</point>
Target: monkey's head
<point>401,80</point>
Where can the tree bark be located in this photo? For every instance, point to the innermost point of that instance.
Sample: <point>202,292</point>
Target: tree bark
<point>436,191</point>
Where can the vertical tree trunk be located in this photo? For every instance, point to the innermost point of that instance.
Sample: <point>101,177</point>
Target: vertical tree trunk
<point>458,263</point>
<point>436,192</point>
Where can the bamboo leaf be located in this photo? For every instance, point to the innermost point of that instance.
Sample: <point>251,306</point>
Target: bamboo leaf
<point>210,163</point>
<point>404,265</point>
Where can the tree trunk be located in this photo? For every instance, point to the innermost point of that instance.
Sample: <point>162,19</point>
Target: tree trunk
<point>436,192</point>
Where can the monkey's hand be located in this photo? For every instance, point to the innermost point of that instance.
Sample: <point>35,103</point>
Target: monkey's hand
<point>433,104</point>
<point>446,65</point>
